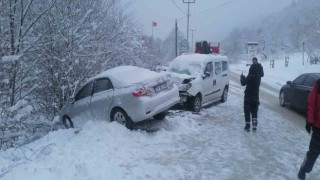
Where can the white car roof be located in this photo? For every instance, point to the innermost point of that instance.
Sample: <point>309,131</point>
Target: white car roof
<point>122,76</point>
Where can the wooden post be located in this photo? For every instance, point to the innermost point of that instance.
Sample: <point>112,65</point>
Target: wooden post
<point>286,61</point>
<point>272,63</point>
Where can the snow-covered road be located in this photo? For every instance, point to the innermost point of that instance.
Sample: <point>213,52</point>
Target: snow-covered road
<point>269,98</point>
<point>211,145</point>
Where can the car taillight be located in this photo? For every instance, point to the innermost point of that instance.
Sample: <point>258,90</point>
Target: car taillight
<point>142,91</point>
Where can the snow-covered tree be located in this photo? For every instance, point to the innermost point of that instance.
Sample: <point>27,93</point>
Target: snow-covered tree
<point>48,48</point>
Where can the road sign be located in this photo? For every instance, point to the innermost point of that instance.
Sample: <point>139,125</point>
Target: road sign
<point>252,51</point>
<point>184,46</point>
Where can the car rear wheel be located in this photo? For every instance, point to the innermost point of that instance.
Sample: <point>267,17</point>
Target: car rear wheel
<point>67,122</point>
<point>224,96</point>
<point>196,103</point>
<point>160,116</point>
<point>281,99</point>
<point>121,117</point>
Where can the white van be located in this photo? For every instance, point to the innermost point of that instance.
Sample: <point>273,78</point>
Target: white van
<point>202,79</point>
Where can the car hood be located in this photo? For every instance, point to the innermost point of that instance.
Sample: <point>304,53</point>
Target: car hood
<point>181,78</point>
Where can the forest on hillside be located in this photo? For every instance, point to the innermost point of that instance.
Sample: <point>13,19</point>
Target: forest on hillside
<point>285,32</point>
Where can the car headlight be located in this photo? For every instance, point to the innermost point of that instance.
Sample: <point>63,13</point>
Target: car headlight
<point>188,86</point>
<point>185,87</point>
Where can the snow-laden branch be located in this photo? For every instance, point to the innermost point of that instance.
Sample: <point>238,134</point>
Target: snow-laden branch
<point>34,21</point>
<point>25,12</point>
<point>11,58</point>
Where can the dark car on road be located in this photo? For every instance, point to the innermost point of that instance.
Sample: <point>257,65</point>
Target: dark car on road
<point>296,93</point>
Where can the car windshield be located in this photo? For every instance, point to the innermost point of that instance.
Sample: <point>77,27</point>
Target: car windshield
<point>193,69</point>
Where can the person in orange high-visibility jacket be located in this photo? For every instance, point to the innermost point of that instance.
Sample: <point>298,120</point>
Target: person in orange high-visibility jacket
<point>313,122</point>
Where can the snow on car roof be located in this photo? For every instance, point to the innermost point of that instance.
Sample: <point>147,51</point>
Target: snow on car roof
<point>195,57</point>
<point>193,64</point>
<point>125,75</point>
<point>192,57</point>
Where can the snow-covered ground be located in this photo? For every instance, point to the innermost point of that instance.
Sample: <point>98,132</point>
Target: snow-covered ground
<point>279,75</point>
<point>209,145</point>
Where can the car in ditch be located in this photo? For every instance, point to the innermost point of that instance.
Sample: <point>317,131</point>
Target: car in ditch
<point>126,94</point>
<point>295,93</point>
<point>202,79</point>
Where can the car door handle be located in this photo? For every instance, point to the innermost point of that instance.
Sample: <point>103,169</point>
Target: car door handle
<point>214,82</point>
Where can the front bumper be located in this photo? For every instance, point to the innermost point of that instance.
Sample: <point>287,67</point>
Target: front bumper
<point>184,97</point>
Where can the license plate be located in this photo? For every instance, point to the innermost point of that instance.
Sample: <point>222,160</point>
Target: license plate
<point>160,87</point>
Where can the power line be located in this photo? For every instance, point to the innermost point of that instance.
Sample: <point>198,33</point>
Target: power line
<point>204,11</point>
<point>178,7</point>
<point>221,5</point>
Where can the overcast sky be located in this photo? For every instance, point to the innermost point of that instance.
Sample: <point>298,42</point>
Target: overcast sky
<point>212,20</point>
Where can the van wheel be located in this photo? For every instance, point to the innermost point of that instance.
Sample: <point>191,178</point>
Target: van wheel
<point>121,117</point>
<point>67,122</point>
<point>161,115</point>
<point>224,96</point>
<point>195,103</point>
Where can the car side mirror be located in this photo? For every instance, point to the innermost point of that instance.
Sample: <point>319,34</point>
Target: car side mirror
<point>289,83</point>
<point>71,100</point>
<point>205,75</point>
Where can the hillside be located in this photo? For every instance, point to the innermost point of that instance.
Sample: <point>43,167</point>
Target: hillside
<point>281,32</point>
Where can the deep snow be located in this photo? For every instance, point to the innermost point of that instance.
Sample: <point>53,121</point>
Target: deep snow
<point>209,145</point>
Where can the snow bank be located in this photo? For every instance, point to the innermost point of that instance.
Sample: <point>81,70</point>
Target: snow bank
<point>100,150</point>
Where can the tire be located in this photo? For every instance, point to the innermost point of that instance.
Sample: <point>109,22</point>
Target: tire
<point>121,117</point>
<point>67,122</point>
<point>195,103</point>
<point>160,116</point>
<point>282,99</point>
<point>224,96</point>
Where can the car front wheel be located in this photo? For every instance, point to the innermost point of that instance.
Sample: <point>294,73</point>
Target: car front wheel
<point>196,103</point>
<point>224,96</point>
<point>281,99</point>
<point>121,117</point>
<point>67,122</point>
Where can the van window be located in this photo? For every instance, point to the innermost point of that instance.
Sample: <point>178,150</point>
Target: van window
<point>209,69</point>
<point>217,68</point>
<point>224,65</point>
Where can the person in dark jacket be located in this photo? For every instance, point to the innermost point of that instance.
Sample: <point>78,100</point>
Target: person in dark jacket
<point>260,68</point>
<point>205,48</point>
<point>251,96</point>
<point>198,48</point>
<point>313,123</point>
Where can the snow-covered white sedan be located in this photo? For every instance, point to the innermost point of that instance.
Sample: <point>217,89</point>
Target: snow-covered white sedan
<point>126,94</point>
<point>202,79</point>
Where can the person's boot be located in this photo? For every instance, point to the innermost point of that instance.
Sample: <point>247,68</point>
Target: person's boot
<point>254,124</point>
<point>247,127</point>
<point>301,174</point>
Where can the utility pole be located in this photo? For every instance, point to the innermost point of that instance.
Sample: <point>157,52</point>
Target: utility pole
<point>192,45</point>
<point>302,52</point>
<point>176,43</point>
<point>188,15</point>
